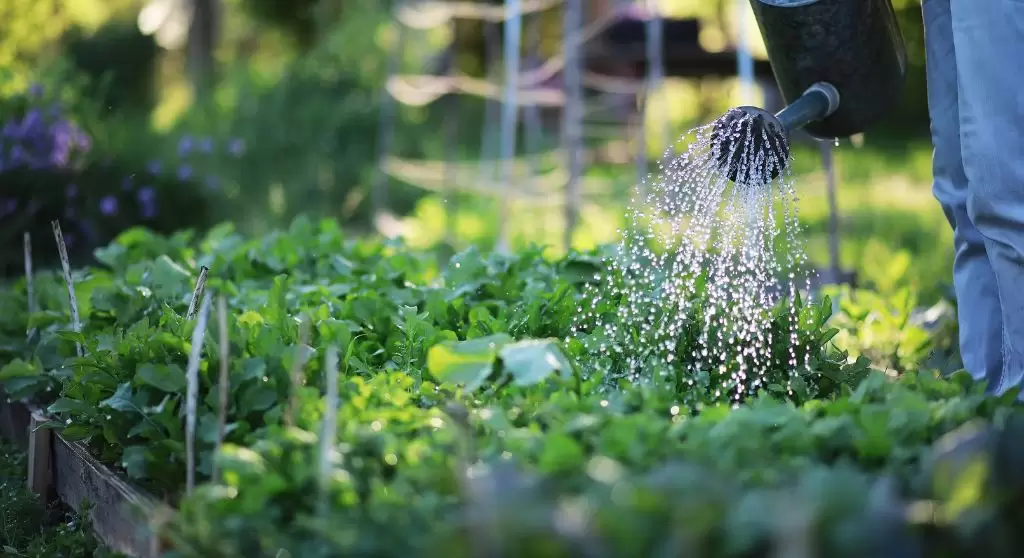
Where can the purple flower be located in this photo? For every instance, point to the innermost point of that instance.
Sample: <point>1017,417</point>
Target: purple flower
<point>236,147</point>
<point>35,90</point>
<point>108,205</point>
<point>32,123</point>
<point>10,129</point>
<point>153,167</point>
<point>184,172</point>
<point>147,201</point>
<point>83,141</point>
<point>184,146</point>
<point>206,145</point>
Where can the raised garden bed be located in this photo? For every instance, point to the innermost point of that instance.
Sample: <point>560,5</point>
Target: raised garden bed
<point>460,421</point>
<point>33,528</point>
<point>60,469</point>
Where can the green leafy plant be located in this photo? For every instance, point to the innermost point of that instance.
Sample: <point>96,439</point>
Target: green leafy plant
<point>468,412</point>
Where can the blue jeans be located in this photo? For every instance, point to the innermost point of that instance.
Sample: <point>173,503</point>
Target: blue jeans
<point>975,65</point>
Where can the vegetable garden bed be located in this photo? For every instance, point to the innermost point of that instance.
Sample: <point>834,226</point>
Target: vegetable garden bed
<point>33,528</point>
<point>352,397</point>
<point>57,468</point>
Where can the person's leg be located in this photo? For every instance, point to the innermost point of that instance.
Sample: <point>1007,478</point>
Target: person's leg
<point>989,39</point>
<point>973,278</point>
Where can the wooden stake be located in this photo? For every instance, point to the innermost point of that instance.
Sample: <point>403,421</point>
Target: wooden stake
<point>40,473</point>
<point>296,370</point>
<point>192,375</point>
<point>197,293</point>
<point>225,350</point>
<point>65,263</point>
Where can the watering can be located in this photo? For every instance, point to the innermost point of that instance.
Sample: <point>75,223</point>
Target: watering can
<point>840,66</point>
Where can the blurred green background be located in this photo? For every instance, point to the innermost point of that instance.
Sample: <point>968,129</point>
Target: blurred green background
<point>254,111</point>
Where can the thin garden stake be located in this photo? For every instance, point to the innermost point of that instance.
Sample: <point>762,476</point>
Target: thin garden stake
<point>330,425</point>
<point>29,287</point>
<point>744,59</point>
<point>197,293</point>
<point>225,352</point>
<point>509,115</point>
<point>572,116</point>
<point>386,124</point>
<point>192,377</point>
<point>293,377</point>
<point>656,66</point>
<point>65,264</point>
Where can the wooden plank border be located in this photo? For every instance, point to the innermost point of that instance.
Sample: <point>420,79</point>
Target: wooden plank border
<point>122,516</point>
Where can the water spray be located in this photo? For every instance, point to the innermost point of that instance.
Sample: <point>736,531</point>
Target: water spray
<point>840,64</point>
<point>692,293</point>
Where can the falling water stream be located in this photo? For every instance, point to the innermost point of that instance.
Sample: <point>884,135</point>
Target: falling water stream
<point>693,288</point>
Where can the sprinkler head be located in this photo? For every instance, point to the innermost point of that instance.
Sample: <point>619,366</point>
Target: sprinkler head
<point>737,158</point>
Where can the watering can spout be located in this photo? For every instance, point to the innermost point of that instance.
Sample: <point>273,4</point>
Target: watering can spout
<point>746,130</point>
<point>818,50</point>
<point>817,103</point>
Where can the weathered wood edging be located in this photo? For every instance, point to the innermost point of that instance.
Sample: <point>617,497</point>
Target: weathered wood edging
<point>121,514</point>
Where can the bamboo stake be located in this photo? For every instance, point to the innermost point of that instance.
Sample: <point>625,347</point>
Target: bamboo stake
<point>192,396</point>
<point>197,294</point>
<point>225,352</point>
<point>65,264</point>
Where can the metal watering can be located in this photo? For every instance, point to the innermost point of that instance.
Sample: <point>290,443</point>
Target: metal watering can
<point>840,65</point>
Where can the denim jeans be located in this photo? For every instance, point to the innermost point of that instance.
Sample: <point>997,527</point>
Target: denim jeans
<point>975,66</point>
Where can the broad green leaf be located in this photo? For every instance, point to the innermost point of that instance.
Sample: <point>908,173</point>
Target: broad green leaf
<point>209,425</point>
<point>256,398</point>
<point>73,336</point>
<point>26,387</point>
<point>18,368</point>
<point>66,405</point>
<point>75,432</point>
<point>121,400</point>
<point>169,378</point>
<point>532,361</point>
<point>134,461</point>
<point>465,362</point>
<point>252,368</point>
<point>168,279</point>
